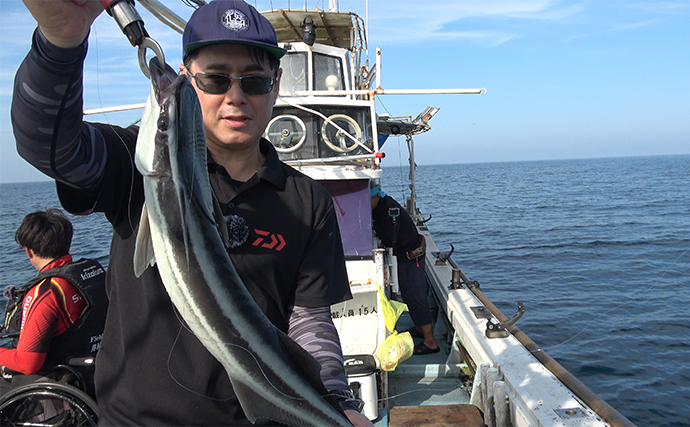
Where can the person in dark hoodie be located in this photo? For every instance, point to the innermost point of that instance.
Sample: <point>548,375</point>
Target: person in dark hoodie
<point>397,230</point>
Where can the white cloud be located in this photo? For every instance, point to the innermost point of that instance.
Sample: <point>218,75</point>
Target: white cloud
<point>452,10</point>
<point>634,25</point>
<point>411,21</point>
<point>579,36</point>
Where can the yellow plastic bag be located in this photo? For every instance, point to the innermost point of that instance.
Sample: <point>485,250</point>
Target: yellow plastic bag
<point>391,310</point>
<point>396,347</point>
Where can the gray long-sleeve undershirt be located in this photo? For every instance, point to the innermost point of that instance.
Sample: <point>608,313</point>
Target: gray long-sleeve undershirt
<point>47,117</point>
<point>314,331</point>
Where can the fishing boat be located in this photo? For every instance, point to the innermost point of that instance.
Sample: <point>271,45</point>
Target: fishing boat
<point>326,125</point>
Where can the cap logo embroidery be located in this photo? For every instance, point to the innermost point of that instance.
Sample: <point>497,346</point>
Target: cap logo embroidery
<point>235,20</point>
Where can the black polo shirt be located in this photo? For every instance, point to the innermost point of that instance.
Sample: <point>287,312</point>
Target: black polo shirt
<point>284,226</point>
<point>151,369</point>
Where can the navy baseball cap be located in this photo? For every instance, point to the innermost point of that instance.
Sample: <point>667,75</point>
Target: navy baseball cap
<point>229,21</point>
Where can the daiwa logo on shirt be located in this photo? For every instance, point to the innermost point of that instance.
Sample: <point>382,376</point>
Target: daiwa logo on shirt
<point>269,240</point>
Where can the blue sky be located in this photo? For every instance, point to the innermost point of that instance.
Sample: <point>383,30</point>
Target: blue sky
<point>564,79</point>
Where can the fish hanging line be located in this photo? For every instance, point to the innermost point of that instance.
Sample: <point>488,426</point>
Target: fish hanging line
<point>132,25</point>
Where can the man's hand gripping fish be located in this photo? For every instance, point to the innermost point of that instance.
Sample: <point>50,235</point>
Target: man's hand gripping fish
<point>182,231</point>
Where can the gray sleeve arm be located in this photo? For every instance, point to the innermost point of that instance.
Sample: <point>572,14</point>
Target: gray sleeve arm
<point>47,120</point>
<point>313,329</point>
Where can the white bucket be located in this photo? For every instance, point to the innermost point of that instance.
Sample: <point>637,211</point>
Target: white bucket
<point>361,376</point>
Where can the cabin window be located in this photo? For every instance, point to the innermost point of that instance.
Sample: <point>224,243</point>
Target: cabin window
<point>298,134</point>
<point>294,65</point>
<point>328,72</point>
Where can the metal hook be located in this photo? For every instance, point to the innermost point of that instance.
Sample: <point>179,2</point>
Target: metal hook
<point>149,43</point>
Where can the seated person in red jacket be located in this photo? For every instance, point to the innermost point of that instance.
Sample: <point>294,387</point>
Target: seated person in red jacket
<point>47,317</point>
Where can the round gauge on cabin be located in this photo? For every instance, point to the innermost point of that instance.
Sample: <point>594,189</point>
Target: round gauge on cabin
<point>337,132</point>
<point>286,132</point>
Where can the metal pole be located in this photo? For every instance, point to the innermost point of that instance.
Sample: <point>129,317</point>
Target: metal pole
<point>412,202</point>
<point>378,68</point>
<point>366,28</point>
<point>114,109</point>
<point>379,91</point>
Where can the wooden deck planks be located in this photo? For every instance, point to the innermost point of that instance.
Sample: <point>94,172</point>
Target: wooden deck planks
<point>438,416</point>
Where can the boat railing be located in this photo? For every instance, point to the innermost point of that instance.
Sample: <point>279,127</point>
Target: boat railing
<point>360,160</point>
<point>596,403</point>
<point>382,91</point>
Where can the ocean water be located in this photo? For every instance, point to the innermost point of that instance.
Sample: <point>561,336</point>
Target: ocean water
<point>92,233</point>
<point>598,250</point>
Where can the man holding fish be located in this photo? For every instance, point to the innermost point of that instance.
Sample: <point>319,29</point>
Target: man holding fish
<point>218,265</point>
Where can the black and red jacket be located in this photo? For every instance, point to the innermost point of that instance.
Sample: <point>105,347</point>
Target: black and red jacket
<point>57,315</point>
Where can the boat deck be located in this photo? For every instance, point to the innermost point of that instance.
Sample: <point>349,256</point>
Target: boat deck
<point>424,380</point>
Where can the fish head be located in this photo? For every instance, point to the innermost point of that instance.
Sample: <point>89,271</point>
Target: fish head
<point>171,132</point>
<point>157,139</point>
<point>171,157</point>
<point>171,149</point>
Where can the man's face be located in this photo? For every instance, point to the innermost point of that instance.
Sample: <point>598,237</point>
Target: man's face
<point>234,120</point>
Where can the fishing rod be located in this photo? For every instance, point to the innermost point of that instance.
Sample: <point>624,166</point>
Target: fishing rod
<point>127,18</point>
<point>132,25</point>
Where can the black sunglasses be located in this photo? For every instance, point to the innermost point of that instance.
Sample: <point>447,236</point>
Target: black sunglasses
<point>220,83</point>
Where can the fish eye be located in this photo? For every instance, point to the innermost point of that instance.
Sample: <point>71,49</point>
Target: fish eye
<point>163,123</point>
